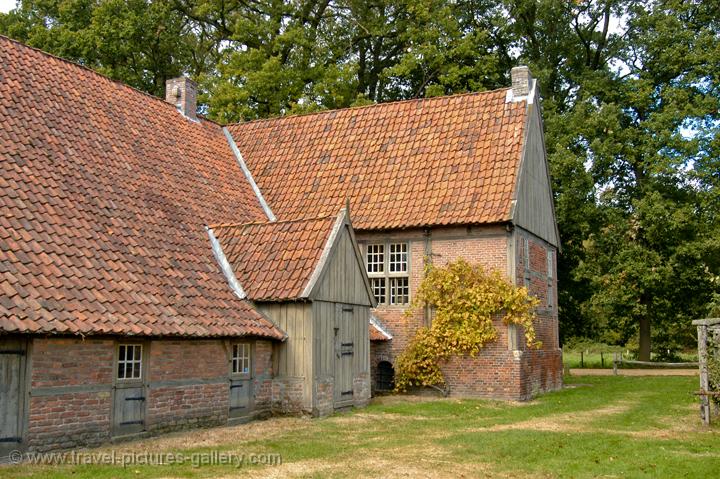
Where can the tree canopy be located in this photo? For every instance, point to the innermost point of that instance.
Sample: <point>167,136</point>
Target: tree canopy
<point>630,100</point>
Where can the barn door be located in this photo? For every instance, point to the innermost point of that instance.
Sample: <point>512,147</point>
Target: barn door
<point>344,352</point>
<point>240,380</point>
<point>13,353</point>
<point>129,398</point>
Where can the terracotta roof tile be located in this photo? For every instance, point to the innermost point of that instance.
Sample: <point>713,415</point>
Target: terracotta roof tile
<point>105,192</point>
<point>446,160</point>
<point>274,261</point>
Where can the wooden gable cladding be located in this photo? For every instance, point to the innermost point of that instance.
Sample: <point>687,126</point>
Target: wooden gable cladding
<point>534,206</point>
<point>343,278</point>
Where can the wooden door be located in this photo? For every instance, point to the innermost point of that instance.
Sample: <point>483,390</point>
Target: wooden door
<point>13,354</point>
<point>129,397</point>
<point>344,352</point>
<point>241,394</point>
<point>240,397</point>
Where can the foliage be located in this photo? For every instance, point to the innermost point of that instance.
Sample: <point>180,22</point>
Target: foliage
<point>714,375</point>
<point>464,299</point>
<point>135,41</point>
<point>630,91</point>
<point>590,346</point>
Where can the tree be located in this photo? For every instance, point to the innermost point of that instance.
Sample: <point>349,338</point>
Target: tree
<point>630,102</point>
<point>137,42</point>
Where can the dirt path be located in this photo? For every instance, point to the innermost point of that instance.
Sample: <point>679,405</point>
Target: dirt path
<point>634,372</point>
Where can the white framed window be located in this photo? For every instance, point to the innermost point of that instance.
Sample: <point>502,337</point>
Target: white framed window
<point>241,358</point>
<point>398,258</point>
<point>388,266</point>
<point>375,258</point>
<point>129,361</point>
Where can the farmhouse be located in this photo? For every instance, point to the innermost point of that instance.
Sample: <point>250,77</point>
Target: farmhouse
<point>159,271</point>
<point>430,180</point>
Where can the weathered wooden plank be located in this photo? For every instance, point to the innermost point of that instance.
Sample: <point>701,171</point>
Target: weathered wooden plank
<point>12,384</point>
<point>704,377</point>
<point>534,210</point>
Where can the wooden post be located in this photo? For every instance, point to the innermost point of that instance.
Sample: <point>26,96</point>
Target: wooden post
<point>602,360</point>
<point>704,380</point>
<point>582,361</point>
<point>615,364</point>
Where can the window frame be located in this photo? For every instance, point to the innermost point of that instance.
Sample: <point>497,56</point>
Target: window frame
<point>125,362</point>
<point>550,278</point>
<point>247,347</point>
<point>386,275</point>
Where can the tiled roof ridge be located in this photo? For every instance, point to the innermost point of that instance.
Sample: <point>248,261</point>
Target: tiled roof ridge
<point>362,107</point>
<point>101,75</point>
<point>263,223</point>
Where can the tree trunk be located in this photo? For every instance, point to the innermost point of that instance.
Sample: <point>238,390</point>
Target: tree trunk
<point>644,339</point>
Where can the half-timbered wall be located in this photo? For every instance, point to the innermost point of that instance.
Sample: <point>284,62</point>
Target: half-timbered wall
<point>71,384</point>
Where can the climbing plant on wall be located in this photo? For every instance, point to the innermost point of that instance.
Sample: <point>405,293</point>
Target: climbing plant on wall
<point>465,299</point>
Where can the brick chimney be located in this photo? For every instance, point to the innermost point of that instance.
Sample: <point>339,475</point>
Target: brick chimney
<point>521,81</point>
<point>182,92</point>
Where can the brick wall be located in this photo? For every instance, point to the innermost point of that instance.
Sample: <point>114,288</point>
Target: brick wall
<point>288,395</point>
<point>181,403</point>
<point>71,394</point>
<point>541,368</point>
<point>58,417</point>
<point>262,376</point>
<point>498,371</point>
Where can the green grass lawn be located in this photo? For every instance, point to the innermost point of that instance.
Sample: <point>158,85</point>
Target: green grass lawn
<point>598,427</point>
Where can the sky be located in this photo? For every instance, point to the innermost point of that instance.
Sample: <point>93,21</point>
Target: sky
<point>6,5</point>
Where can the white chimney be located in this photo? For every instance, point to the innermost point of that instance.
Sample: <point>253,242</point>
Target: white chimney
<point>521,81</point>
<point>182,92</point>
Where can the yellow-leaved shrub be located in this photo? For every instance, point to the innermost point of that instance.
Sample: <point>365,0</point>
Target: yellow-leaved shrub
<point>465,299</point>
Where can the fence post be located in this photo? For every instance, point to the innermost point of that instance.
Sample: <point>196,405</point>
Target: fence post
<point>582,361</point>
<point>602,360</point>
<point>615,364</point>
<point>704,380</point>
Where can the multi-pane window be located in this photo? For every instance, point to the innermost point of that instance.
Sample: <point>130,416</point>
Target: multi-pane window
<point>375,258</point>
<point>399,290</point>
<point>398,258</point>
<point>241,358</point>
<point>129,361</point>
<point>378,289</point>
<point>387,268</point>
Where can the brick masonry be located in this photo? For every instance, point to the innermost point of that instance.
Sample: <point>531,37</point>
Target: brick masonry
<point>187,385</point>
<point>505,368</point>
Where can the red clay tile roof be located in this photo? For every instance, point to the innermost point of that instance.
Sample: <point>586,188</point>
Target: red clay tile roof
<point>375,334</point>
<point>274,261</point>
<point>438,161</point>
<point>104,193</point>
